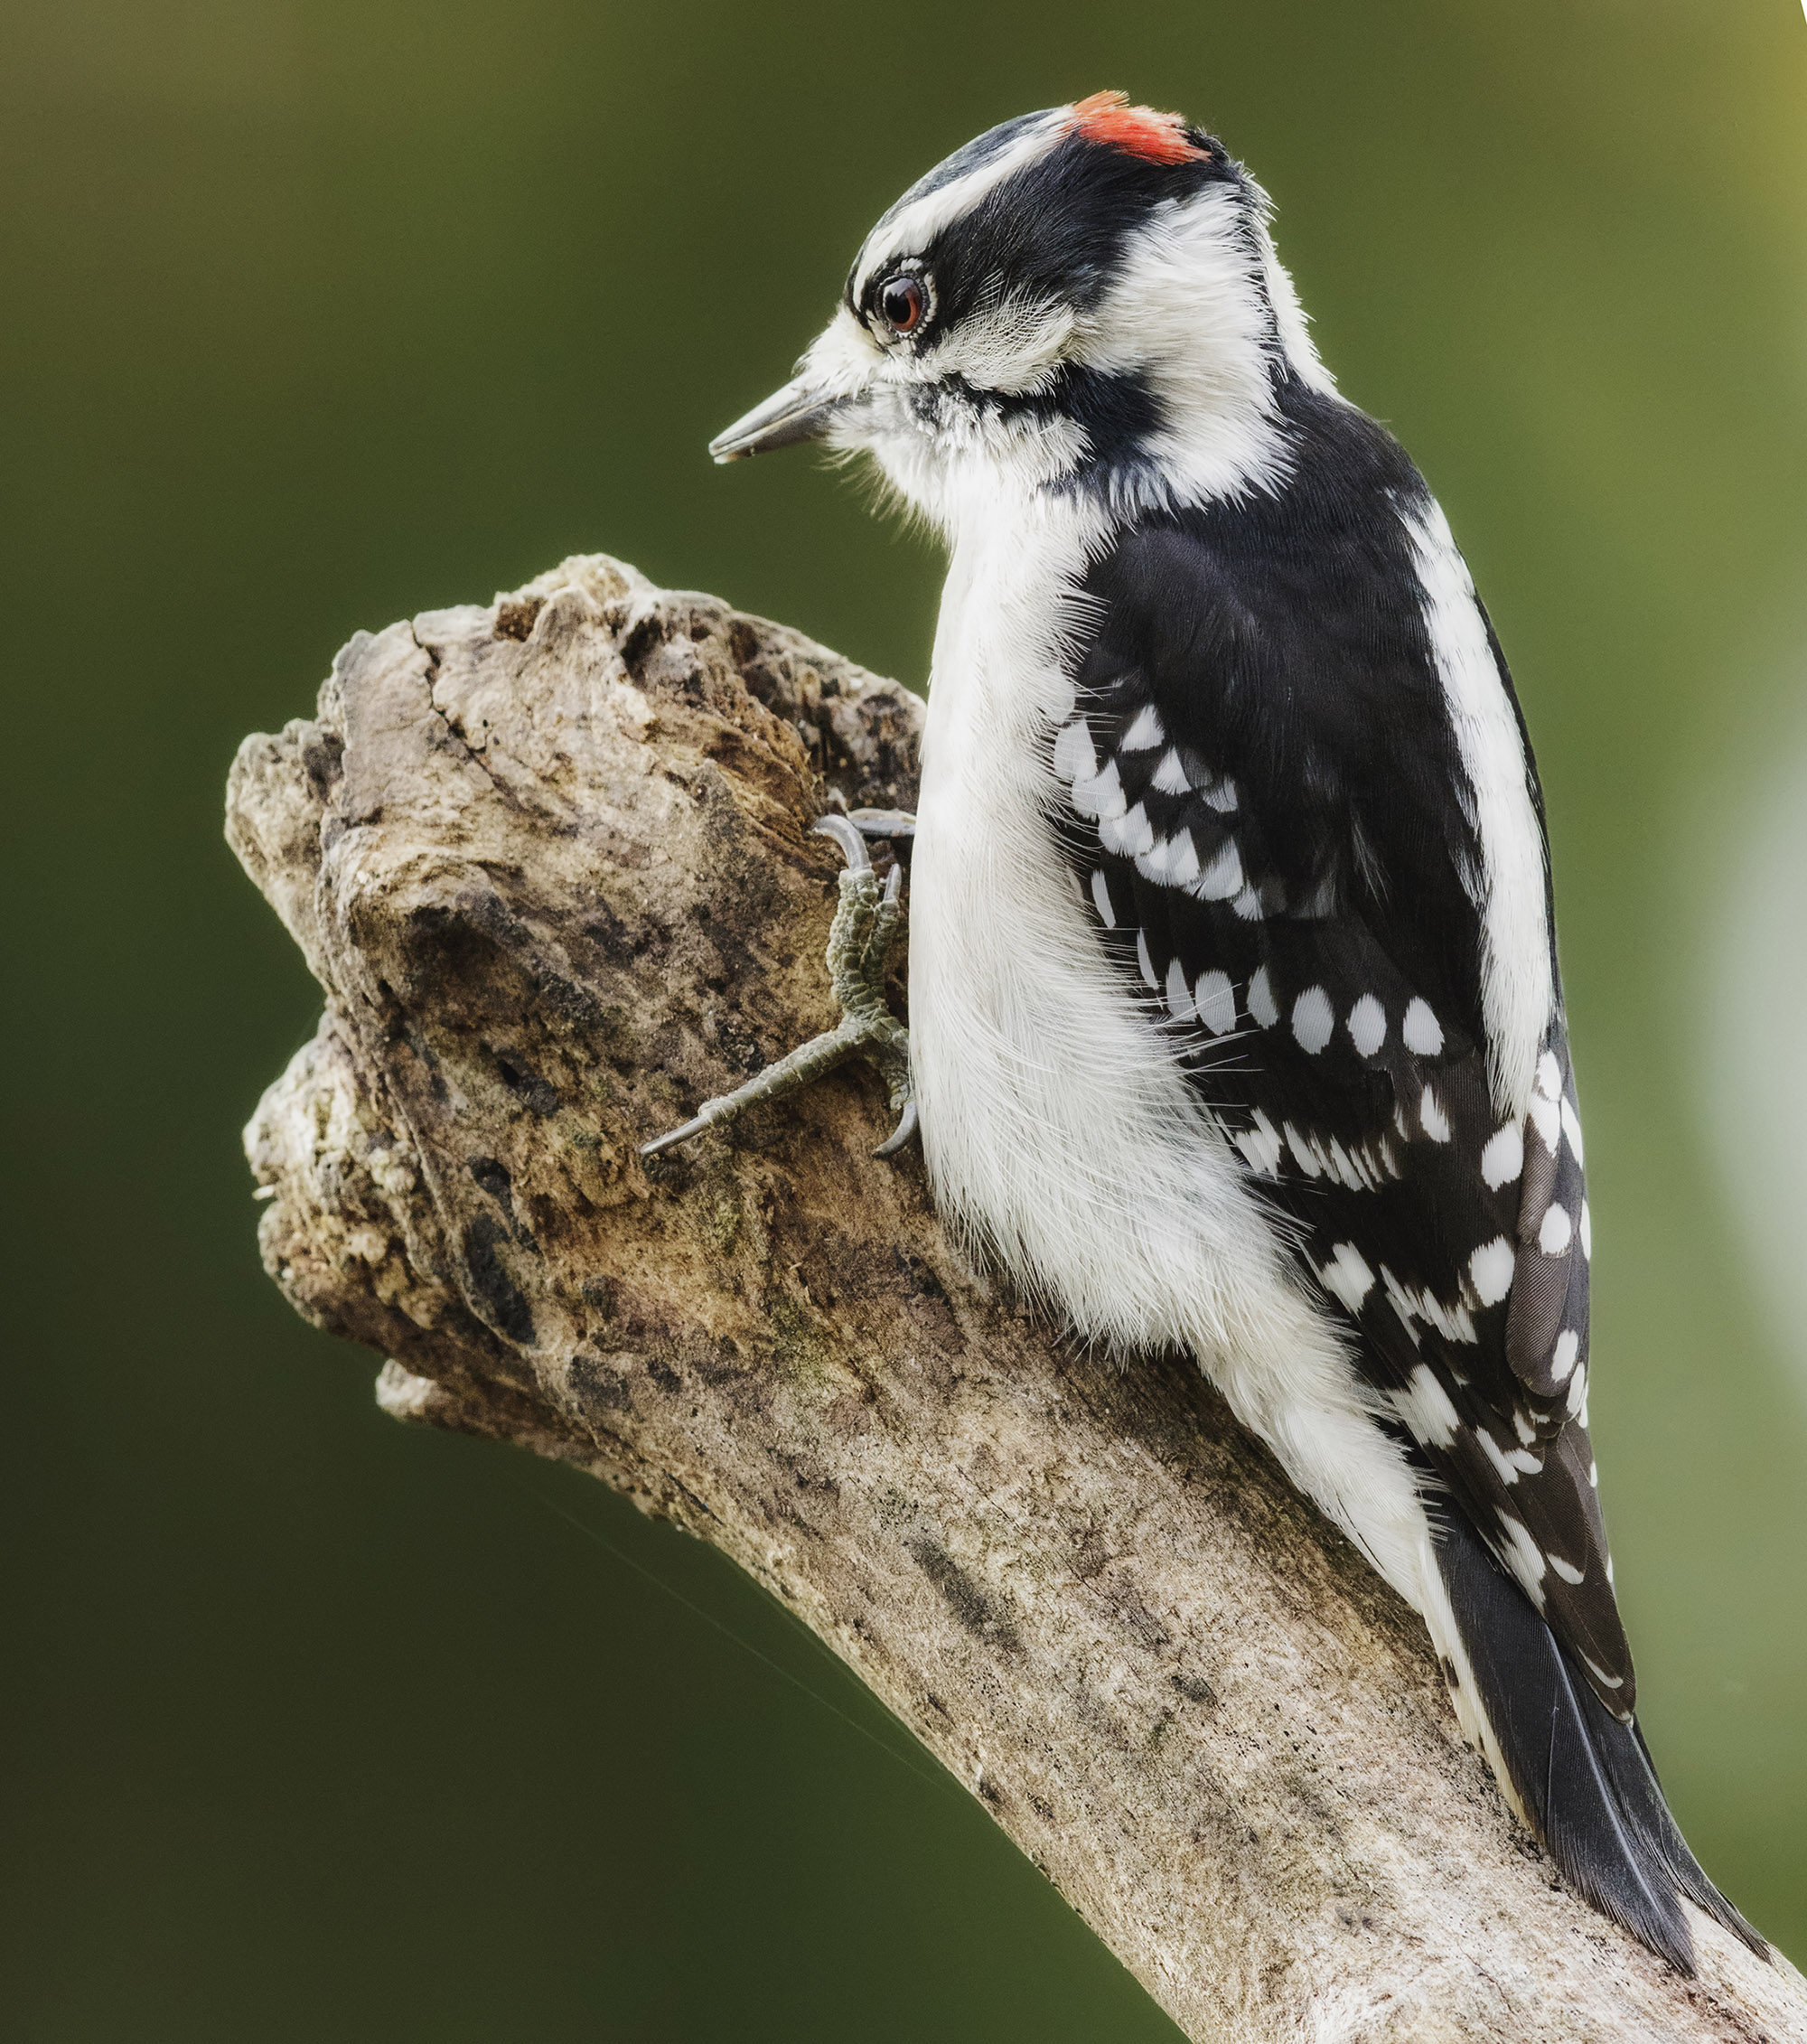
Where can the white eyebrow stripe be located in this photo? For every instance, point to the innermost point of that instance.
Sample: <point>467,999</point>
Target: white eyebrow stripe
<point>911,230</point>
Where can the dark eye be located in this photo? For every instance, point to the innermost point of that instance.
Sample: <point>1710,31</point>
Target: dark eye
<point>902,301</point>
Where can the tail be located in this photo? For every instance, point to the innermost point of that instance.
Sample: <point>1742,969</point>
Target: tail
<point>1580,1779</point>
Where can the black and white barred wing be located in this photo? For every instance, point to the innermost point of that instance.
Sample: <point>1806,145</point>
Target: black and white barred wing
<point>1352,1077</point>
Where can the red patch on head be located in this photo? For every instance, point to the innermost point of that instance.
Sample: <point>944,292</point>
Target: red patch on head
<point>1108,119</point>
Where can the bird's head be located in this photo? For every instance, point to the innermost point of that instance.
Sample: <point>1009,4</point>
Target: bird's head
<point>1083,301</point>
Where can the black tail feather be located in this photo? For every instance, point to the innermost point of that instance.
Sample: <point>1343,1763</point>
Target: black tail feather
<point>1634,1780</point>
<point>1584,1778</point>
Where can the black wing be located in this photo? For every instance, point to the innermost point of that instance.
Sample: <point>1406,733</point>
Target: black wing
<point>1270,818</point>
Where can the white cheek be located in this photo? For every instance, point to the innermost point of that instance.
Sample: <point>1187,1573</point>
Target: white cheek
<point>1014,347</point>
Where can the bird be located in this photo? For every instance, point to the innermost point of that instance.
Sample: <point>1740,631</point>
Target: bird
<point>1236,1024</point>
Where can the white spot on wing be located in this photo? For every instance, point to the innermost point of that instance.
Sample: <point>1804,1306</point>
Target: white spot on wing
<point>1261,1007</point>
<point>1343,1168</point>
<point>1101,901</point>
<point>1170,775</point>
<point>1555,1233</point>
<point>1423,1033</point>
<point>1587,1233</point>
<point>1502,1463</point>
<point>1102,795</point>
<point>1562,1356</point>
<point>1425,1407</point>
<point>1222,877</point>
<point>1571,1127</point>
<point>1146,732</point>
<point>1430,1113</point>
<point>1260,1144</point>
<point>1304,1151</point>
<point>1522,1556</point>
<point>1314,1019</point>
<point>1546,1118</point>
<point>1152,864</point>
<point>1452,1323</point>
<point>1179,995</point>
<point>1216,998</point>
<point>1131,833</point>
<point>1367,1025</point>
<point>1347,1276</point>
<point>1502,1159</point>
<point>1567,1570</point>
<point>1181,860</point>
<point>1221,796</point>
<point>1550,1076</point>
<point>1491,1269</point>
<point>1402,1302</point>
<point>1145,964</point>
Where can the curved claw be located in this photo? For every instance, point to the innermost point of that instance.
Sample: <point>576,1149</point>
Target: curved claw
<point>883,823</point>
<point>673,1136</point>
<point>901,1133</point>
<point>847,835</point>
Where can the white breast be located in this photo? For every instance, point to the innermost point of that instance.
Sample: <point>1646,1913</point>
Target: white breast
<point>1060,1134</point>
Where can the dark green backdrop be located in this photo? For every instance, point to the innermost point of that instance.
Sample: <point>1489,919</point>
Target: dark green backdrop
<point>317,313</point>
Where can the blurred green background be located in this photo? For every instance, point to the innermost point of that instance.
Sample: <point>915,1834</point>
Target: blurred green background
<point>319,313</point>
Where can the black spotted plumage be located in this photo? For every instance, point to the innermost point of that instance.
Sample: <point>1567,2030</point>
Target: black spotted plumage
<point>1270,798</point>
<point>1271,821</point>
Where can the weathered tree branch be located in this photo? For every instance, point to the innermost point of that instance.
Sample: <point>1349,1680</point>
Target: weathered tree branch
<point>548,860</point>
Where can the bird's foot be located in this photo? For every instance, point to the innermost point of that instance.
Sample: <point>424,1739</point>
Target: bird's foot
<point>858,945</point>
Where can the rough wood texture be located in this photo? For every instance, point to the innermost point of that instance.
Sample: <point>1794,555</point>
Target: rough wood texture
<point>549,860</point>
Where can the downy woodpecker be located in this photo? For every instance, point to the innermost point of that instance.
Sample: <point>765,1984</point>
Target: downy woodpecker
<point>1235,1018</point>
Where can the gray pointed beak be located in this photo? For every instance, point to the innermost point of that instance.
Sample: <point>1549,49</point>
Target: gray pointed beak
<point>803,410</point>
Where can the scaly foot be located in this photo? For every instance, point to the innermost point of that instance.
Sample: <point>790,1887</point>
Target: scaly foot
<point>858,945</point>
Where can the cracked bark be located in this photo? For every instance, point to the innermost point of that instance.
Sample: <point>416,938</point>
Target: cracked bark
<point>549,860</point>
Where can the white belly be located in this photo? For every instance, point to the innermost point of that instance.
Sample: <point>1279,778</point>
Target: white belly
<point>1061,1135</point>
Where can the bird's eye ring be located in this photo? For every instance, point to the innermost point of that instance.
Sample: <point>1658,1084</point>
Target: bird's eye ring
<point>902,303</point>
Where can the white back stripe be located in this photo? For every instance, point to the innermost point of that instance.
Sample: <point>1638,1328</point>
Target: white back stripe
<point>1518,993</point>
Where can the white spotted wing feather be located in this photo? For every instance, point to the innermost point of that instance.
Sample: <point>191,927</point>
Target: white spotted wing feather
<point>1346,979</point>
